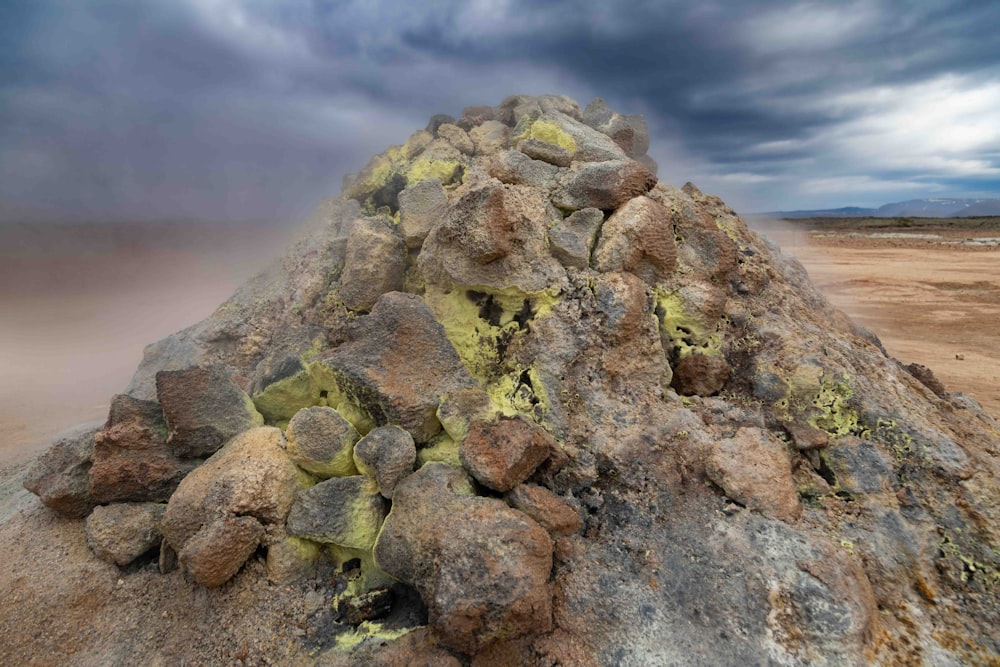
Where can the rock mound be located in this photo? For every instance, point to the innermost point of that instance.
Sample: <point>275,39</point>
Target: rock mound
<point>512,400</point>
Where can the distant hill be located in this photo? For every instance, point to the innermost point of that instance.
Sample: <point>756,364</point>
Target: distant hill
<point>916,208</point>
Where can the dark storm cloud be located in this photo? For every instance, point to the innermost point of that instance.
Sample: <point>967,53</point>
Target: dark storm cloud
<point>218,108</point>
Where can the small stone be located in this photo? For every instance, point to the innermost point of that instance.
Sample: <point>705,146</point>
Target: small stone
<point>167,562</point>
<point>320,441</point>
<point>347,511</point>
<point>572,239</point>
<point>290,559</point>
<point>421,206</point>
<point>203,408</point>
<point>121,532</point>
<point>59,477</point>
<point>387,454</point>
<point>457,137</point>
<point>356,609</point>
<point>516,168</point>
<point>550,511</point>
<point>503,453</point>
<point>437,120</point>
<point>806,436</point>
<point>374,264</point>
<point>700,375</point>
<point>218,551</point>
<point>460,408</point>
<point>753,469</point>
<point>629,132</point>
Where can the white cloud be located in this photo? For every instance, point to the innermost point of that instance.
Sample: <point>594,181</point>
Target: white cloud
<point>810,26</point>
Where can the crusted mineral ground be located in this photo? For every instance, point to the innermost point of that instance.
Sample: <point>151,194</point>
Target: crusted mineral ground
<point>523,404</point>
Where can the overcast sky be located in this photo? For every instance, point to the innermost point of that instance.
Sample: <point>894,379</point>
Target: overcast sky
<point>222,109</point>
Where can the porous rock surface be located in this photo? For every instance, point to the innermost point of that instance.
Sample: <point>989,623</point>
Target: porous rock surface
<point>707,464</point>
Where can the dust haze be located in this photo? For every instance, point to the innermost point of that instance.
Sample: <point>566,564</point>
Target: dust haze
<point>79,302</point>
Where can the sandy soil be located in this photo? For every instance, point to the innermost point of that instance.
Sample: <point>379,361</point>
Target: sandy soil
<point>929,298</point>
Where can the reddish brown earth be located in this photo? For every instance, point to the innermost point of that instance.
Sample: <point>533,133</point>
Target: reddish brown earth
<point>932,301</point>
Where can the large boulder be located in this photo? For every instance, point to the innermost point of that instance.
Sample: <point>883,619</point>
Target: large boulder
<point>397,364</point>
<point>222,507</point>
<point>481,567</point>
<point>60,476</point>
<point>203,408</point>
<point>132,461</point>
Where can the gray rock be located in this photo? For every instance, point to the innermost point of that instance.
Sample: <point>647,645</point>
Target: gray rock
<point>421,206</point>
<point>60,476</point>
<point>346,511</point>
<point>583,143</point>
<point>572,239</point>
<point>481,567</point>
<point>516,168</point>
<point>375,263</point>
<point>605,185</point>
<point>203,408</point>
<point>121,532</point>
<point>398,363</point>
<point>386,454</point>
<point>537,149</point>
<point>320,441</point>
<point>629,132</point>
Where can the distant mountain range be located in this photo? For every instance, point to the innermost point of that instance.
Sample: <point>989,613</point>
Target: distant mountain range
<point>914,208</point>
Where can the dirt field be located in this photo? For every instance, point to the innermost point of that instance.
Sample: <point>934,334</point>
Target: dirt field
<point>929,289</point>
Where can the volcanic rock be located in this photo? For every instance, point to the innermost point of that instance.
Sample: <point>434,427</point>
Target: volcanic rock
<point>549,510</point>
<point>481,567</point>
<point>501,454</point>
<point>60,476</point>
<point>321,442</point>
<point>347,511</point>
<point>132,461</point>
<point>121,532</point>
<point>386,454</point>
<point>753,469</point>
<point>374,264</point>
<point>203,408</point>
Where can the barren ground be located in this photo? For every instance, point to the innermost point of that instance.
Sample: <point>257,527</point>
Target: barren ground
<point>930,296</point>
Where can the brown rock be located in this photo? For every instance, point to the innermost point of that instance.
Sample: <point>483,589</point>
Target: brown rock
<point>132,461</point>
<point>753,469</point>
<point>550,511</point>
<point>806,436</point>
<point>700,375</point>
<point>219,549</point>
<point>421,206</point>
<point>481,567</point>
<point>121,532</point>
<point>490,137</point>
<point>623,302</point>
<point>203,408</point>
<point>374,264</point>
<point>640,239</point>
<point>59,477</point>
<point>398,363</point>
<point>501,454</point>
<point>457,137</point>
<point>251,477</point>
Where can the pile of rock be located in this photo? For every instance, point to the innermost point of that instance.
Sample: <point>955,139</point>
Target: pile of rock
<point>584,415</point>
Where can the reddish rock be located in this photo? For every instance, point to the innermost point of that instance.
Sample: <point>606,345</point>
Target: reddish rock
<point>203,408</point>
<point>132,461</point>
<point>481,567</point>
<point>806,436</point>
<point>550,511</point>
<point>501,454</point>
<point>700,375</point>
<point>754,469</point>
